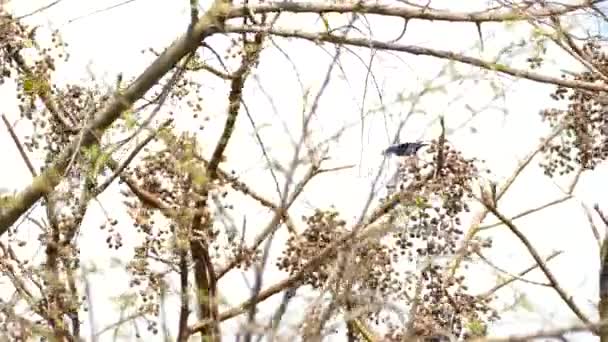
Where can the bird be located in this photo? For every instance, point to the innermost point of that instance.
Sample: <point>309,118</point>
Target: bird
<point>405,149</point>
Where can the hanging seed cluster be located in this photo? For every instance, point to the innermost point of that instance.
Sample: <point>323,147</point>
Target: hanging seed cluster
<point>31,67</point>
<point>431,216</point>
<point>14,36</point>
<point>55,114</point>
<point>171,175</point>
<point>366,273</point>
<point>428,224</point>
<point>446,306</point>
<point>324,228</point>
<point>584,141</point>
<point>430,227</point>
<point>17,37</point>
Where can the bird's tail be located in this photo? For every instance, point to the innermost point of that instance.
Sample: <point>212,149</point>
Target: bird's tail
<point>389,150</point>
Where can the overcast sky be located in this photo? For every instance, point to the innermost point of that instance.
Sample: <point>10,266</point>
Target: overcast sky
<point>111,42</point>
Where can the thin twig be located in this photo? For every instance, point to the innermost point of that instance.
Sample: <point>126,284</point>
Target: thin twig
<point>541,263</point>
<point>514,277</point>
<point>15,138</point>
<point>273,224</point>
<point>528,212</point>
<point>481,215</point>
<point>592,225</point>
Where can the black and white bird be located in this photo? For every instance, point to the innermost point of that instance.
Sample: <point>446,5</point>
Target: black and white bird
<point>405,149</point>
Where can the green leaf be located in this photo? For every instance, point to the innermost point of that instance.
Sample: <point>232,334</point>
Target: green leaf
<point>100,162</point>
<point>325,22</point>
<point>125,300</point>
<point>198,177</point>
<point>509,24</point>
<point>427,84</point>
<point>476,327</point>
<point>525,303</point>
<point>499,67</point>
<point>33,85</point>
<point>130,120</point>
<point>28,85</point>
<point>91,153</point>
<point>166,136</point>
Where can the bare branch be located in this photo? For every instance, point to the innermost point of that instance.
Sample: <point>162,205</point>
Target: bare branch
<point>360,7</point>
<point>555,333</point>
<point>208,24</point>
<point>15,138</point>
<point>418,50</point>
<point>541,263</point>
<point>514,277</point>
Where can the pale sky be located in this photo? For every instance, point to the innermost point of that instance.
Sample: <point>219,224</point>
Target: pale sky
<point>111,42</point>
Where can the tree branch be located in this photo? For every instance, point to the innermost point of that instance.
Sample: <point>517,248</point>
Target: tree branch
<point>359,7</point>
<point>417,50</point>
<point>207,25</point>
<point>541,263</point>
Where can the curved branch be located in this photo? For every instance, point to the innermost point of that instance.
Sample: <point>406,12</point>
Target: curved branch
<point>490,15</point>
<point>542,265</point>
<point>417,50</point>
<point>207,25</point>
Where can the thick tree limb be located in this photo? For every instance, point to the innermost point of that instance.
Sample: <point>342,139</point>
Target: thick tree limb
<point>208,24</point>
<point>490,15</point>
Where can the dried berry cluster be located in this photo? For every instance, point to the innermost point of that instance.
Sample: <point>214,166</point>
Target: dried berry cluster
<point>584,141</point>
<point>369,258</point>
<point>440,196</point>
<point>445,306</point>
<point>377,270</point>
<point>32,71</point>
<point>164,173</point>
<point>14,38</point>
<point>55,114</point>
<point>170,175</point>
<point>323,228</point>
<point>429,228</point>
<point>360,272</point>
<point>149,284</point>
